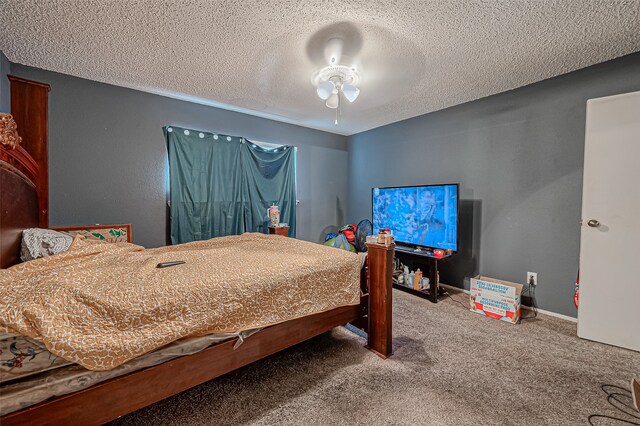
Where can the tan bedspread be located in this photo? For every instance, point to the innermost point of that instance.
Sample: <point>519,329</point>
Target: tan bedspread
<point>101,305</point>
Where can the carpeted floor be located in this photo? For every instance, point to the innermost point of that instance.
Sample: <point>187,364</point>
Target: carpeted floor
<point>450,367</point>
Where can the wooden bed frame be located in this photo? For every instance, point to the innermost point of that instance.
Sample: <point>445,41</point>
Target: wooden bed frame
<point>108,400</point>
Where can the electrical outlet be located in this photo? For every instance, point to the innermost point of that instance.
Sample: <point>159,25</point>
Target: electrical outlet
<point>534,276</point>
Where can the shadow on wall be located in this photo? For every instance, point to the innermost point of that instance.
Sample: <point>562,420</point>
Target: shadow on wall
<point>465,264</point>
<point>340,221</point>
<point>339,213</point>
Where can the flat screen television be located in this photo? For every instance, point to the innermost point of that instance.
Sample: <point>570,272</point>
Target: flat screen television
<point>420,216</point>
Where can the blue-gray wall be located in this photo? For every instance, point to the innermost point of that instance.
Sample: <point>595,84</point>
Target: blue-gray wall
<point>5,95</point>
<point>108,162</point>
<point>518,156</point>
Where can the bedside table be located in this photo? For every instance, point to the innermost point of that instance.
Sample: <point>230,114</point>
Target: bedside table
<point>280,230</point>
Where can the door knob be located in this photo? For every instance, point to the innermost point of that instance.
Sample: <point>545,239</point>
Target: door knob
<point>593,223</point>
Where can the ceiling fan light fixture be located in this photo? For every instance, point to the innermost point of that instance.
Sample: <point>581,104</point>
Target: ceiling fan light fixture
<point>325,89</point>
<point>334,81</point>
<point>350,91</point>
<point>333,101</point>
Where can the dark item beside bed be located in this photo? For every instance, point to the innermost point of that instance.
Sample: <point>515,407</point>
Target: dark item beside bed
<point>279,230</point>
<point>20,176</point>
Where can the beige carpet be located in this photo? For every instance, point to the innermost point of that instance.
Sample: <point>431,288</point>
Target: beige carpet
<point>450,367</point>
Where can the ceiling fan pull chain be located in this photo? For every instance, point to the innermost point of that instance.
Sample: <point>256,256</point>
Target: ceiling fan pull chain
<point>338,110</point>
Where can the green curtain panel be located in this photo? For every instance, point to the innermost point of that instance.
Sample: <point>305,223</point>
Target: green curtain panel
<point>223,185</point>
<point>268,178</point>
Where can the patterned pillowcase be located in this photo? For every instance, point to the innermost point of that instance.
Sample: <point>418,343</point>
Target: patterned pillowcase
<point>37,243</point>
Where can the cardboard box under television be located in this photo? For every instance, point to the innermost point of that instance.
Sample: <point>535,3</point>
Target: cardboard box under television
<point>496,298</point>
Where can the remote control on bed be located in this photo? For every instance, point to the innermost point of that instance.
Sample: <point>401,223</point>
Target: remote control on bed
<point>167,264</point>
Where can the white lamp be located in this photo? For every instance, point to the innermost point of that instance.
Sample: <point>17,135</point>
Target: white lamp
<point>333,101</point>
<point>325,89</point>
<point>350,91</point>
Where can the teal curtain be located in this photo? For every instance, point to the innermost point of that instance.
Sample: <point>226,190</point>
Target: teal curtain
<point>268,178</point>
<point>223,185</point>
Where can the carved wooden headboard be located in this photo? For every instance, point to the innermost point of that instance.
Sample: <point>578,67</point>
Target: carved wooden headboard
<point>24,169</point>
<point>18,192</point>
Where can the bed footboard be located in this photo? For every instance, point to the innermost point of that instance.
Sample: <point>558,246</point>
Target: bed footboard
<point>380,299</point>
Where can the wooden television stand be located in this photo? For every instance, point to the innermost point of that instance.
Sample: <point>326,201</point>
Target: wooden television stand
<point>428,264</point>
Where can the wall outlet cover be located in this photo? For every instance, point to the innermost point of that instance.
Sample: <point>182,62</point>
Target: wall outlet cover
<point>533,275</point>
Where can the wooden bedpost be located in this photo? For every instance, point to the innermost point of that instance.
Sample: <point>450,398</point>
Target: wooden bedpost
<point>30,109</point>
<point>380,264</point>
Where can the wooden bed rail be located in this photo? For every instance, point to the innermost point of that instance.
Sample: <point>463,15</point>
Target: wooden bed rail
<point>122,395</point>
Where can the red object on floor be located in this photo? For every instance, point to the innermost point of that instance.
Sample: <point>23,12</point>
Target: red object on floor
<point>349,232</point>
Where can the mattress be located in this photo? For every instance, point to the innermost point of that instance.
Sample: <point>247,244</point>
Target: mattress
<point>21,357</point>
<point>30,374</point>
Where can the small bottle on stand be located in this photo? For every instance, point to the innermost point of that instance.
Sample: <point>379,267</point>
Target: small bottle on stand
<point>417,279</point>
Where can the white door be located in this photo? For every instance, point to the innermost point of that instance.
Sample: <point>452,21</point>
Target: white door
<point>609,307</point>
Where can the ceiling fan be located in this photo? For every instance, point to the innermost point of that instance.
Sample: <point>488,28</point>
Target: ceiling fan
<point>336,81</point>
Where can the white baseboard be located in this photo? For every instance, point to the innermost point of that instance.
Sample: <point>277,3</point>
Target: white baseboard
<point>552,314</point>
<point>540,311</point>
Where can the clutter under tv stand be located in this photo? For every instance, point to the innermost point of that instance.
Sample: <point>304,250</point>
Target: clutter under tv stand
<point>428,263</point>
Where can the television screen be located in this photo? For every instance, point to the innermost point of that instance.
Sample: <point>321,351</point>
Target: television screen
<point>418,215</point>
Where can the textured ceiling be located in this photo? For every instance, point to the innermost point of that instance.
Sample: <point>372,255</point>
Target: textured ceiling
<point>258,56</point>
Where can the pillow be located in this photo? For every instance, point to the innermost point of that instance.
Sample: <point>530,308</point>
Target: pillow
<point>37,243</point>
